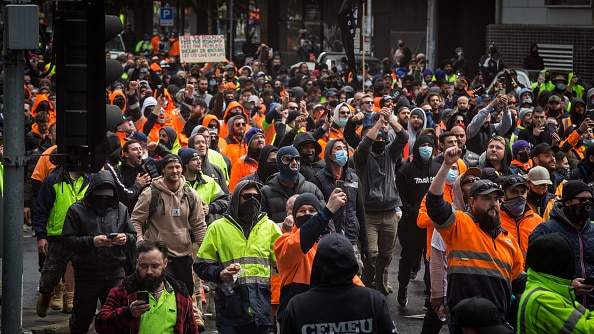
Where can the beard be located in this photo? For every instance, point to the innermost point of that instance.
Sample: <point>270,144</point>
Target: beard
<point>150,283</point>
<point>486,221</point>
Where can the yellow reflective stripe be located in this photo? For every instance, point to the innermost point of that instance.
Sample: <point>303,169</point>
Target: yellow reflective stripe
<point>466,255</point>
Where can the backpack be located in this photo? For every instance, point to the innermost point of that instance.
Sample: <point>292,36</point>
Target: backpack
<point>156,197</point>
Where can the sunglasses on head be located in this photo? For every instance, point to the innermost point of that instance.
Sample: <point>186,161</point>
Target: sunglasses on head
<point>486,186</point>
<point>287,159</point>
<point>515,179</point>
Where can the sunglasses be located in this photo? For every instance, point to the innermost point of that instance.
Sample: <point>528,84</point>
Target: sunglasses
<point>245,197</point>
<point>367,102</point>
<point>587,200</point>
<point>286,159</point>
<point>193,82</point>
<point>459,121</point>
<point>470,180</point>
<point>293,108</point>
<point>239,125</point>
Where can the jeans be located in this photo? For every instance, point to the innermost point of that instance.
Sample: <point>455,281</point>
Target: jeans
<point>88,289</point>
<point>381,236</point>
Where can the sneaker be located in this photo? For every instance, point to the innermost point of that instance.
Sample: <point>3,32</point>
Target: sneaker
<point>43,304</point>
<point>67,299</point>
<point>402,297</point>
<point>56,303</point>
<point>427,304</point>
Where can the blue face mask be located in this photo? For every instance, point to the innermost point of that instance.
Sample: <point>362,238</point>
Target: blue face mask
<point>359,78</point>
<point>341,157</point>
<point>452,176</point>
<point>212,83</point>
<point>425,152</point>
<point>588,142</point>
<point>342,121</point>
<point>560,86</point>
<point>529,101</point>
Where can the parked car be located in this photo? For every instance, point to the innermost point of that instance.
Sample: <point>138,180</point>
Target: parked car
<point>338,59</point>
<point>115,47</point>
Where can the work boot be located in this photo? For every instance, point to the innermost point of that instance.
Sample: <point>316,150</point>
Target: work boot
<point>67,299</point>
<point>56,303</point>
<point>43,304</point>
<point>402,298</point>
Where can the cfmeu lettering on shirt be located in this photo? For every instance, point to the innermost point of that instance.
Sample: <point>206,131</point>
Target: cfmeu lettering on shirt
<point>344,327</point>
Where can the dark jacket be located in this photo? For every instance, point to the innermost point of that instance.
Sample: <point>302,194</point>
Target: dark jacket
<point>349,220</point>
<point>125,179</point>
<point>413,181</point>
<point>332,290</point>
<point>115,316</point>
<point>275,196</point>
<point>528,135</point>
<point>309,165</point>
<point>377,173</point>
<point>582,241</point>
<point>84,221</point>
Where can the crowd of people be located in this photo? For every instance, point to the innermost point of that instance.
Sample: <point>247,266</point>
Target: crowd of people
<point>278,193</point>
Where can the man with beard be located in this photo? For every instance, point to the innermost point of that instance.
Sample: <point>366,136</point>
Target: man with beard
<point>248,163</point>
<point>403,116</point>
<point>124,312</point>
<point>536,132</point>
<point>571,217</point>
<point>197,112</point>
<point>543,155</point>
<point>242,239</point>
<point>493,263</point>
<point>202,89</point>
<point>97,230</point>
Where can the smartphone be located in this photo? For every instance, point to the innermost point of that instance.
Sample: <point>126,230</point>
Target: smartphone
<point>552,128</point>
<point>340,185</point>
<point>142,295</point>
<point>112,235</point>
<point>589,280</point>
<point>160,90</point>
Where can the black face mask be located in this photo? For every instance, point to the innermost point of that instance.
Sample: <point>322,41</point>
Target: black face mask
<point>248,210</point>
<point>577,212</point>
<point>523,157</point>
<point>308,157</point>
<point>554,112</point>
<point>254,153</point>
<point>299,221</point>
<point>333,104</point>
<point>267,169</point>
<point>378,147</point>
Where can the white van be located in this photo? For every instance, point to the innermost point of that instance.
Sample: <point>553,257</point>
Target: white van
<point>115,47</point>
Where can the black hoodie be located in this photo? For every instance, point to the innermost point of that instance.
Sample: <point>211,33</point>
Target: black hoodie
<point>333,291</point>
<point>84,221</point>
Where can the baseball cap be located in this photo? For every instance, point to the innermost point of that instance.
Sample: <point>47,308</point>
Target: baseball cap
<point>481,314</point>
<point>539,175</point>
<point>513,181</point>
<point>541,148</point>
<point>472,171</point>
<point>170,158</point>
<point>484,187</point>
<point>554,98</point>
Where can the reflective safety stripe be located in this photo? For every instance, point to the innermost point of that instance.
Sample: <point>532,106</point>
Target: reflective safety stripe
<point>522,312</point>
<point>477,271</point>
<point>470,255</point>
<point>252,279</point>
<point>570,323</point>
<point>180,118</point>
<point>248,260</point>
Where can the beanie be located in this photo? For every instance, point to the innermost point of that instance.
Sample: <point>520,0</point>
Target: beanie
<point>293,114</point>
<point>572,188</point>
<point>306,199</point>
<point>186,154</point>
<point>517,146</point>
<point>285,171</point>
<point>552,254</point>
<point>439,74</point>
<point>251,133</point>
<point>427,72</point>
<point>524,111</point>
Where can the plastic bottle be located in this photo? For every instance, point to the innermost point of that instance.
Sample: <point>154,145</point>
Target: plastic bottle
<point>442,313</point>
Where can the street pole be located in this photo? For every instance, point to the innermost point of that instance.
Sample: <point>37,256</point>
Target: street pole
<point>231,30</point>
<point>13,161</point>
<point>431,32</point>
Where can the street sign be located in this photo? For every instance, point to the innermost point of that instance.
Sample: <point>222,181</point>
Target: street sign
<point>166,16</point>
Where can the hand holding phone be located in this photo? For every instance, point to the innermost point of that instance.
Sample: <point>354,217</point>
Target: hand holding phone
<point>112,235</point>
<point>340,185</point>
<point>142,295</point>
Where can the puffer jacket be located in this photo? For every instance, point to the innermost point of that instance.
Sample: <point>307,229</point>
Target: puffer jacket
<point>275,196</point>
<point>582,241</point>
<point>84,221</point>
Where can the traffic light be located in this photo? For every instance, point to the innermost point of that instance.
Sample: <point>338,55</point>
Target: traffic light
<point>81,68</point>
